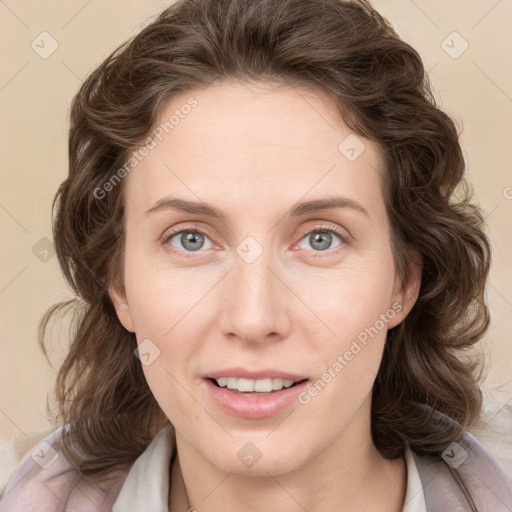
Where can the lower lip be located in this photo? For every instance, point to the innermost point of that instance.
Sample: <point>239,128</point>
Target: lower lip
<point>254,407</point>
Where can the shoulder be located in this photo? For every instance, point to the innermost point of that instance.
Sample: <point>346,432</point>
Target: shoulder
<point>45,481</point>
<point>479,464</point>
<point>12,451</point>
<point>494,429</point>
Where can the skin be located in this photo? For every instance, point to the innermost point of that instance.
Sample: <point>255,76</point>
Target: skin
<point>254,152</point>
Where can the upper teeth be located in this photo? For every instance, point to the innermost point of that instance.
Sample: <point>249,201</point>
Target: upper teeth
<point>247,385</point>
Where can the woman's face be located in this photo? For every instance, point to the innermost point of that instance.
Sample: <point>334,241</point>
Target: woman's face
<point>272,285</point>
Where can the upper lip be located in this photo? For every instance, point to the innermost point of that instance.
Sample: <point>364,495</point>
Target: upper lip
<point>265,373</point>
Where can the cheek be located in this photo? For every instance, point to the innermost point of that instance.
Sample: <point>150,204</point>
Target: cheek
<point>350,298</point>
<point>355,309</point>
<point>162,296</point>
<point>347,362</point>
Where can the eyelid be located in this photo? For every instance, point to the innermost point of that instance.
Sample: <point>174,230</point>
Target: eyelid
<point>170,233</point>
<point>326,227</point>
<point>342,234</point>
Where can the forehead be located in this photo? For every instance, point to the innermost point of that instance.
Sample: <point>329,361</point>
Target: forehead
<point>235,144</point>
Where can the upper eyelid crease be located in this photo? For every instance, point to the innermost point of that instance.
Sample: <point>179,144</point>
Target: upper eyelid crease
<point>312,229</point>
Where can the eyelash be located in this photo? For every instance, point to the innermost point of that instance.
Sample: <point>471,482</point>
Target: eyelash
<point>321,229</point>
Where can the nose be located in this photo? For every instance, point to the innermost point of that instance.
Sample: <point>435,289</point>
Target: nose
<point>254,302</point>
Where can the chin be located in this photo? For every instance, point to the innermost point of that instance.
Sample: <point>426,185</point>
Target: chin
<point>246,456</point>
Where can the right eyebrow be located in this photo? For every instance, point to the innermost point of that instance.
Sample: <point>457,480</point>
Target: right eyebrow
<point>169,203</point>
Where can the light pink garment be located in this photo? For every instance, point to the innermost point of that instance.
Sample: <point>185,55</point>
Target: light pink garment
<point>43,483</point>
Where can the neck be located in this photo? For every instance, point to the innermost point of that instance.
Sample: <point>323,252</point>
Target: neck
<point>342,477</point>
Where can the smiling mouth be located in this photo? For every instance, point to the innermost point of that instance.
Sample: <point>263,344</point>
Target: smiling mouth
<point>255,399</point>
<point>255,393</point>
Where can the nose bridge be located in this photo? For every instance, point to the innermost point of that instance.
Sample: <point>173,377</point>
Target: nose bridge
<point>254,305</point>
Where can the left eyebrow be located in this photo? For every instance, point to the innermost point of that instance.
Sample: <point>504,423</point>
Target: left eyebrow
<point>327,203</point>
<point>303,208</point>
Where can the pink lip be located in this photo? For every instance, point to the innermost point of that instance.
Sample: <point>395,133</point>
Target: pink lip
<point>253,407</point>
<point>254,374</point>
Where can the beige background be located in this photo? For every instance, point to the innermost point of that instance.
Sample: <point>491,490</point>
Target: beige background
<point>35,94</point>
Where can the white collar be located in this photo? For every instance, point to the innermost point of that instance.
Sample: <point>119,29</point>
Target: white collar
<point>147,484</point>
<point>414,497</point>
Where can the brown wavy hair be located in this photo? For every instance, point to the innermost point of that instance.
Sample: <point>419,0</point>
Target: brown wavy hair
<point>382,92</point>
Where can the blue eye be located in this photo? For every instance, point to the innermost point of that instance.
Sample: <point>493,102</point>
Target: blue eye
<point>320,239</point>
<point>190,240</point>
